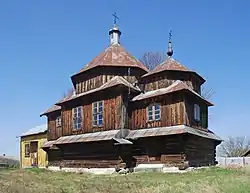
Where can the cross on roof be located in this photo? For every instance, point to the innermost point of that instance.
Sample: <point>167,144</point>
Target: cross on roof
<point>115,17</point>
<point>170,35</point>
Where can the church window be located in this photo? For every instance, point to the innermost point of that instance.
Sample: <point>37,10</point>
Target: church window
<point>77,118</point>
<point>154,112</point>
<point>196,112</point>
<point>97,109</point>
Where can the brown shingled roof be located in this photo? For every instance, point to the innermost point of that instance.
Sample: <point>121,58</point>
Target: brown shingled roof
<point>114,55</point>
<point>170,64</point>
<point>176,86</point>
<point>117,80</point>
<point>52,109</point>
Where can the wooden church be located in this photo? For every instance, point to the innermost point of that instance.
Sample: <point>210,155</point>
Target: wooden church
<point>121,115</point>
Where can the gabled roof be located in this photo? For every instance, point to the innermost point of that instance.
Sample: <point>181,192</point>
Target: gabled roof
<point>170,64</point>
<point>36,130</point>
<point>176,86</point>
<point>115,81</point>
<point>114,55</point>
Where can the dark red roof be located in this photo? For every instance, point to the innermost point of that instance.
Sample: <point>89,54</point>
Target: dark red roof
<point>170,64</point>
<point>114,55</point>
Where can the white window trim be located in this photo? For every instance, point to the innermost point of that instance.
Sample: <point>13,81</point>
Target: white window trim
<point>58,121</point>
<point>197,116</point>
<point>153,112</point>
<point>73,117</point>
<point>93,121</point>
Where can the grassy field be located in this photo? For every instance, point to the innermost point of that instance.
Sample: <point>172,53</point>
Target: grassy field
<point>206,180</point>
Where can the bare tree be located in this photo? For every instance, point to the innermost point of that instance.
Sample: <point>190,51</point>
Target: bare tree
<point>207,93</point>
<point>69,92</point>
<point>234,146</point>
<point>152,59</point>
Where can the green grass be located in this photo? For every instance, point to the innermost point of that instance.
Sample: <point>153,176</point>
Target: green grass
<point>206,180</point>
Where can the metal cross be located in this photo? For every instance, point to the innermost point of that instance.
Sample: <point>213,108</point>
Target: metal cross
<point>170,35</point>
<point>115,17</point>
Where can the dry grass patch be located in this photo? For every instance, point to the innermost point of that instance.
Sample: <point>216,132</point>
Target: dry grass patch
<point>205,180</point>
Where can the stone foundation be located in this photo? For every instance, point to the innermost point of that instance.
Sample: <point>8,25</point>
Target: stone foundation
<point>139,168</point>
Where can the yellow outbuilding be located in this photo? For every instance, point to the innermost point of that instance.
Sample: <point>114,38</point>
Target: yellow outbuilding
<point>31,153</point>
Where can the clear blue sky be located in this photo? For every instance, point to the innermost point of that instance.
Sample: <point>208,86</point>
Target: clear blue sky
<point>42,43</point>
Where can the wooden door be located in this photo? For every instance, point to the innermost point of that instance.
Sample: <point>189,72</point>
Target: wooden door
<point>34,153</point>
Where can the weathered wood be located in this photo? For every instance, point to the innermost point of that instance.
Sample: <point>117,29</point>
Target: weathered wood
<point>53,131</point>
<point>165,79</point>
<point>90,80</point>
<point>111,119</point>
<point>172,109</point>
<point>189,113</point>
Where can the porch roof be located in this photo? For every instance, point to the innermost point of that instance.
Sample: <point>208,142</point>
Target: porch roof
<point>133,134</point>
<point>179,129</point>
<point>87,137</point>
<point>48,144</point>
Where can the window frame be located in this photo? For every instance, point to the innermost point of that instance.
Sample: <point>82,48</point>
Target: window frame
<point>27,150</point>
<point>197,112</point>
<point>95,123</point>
<point>79,119</point>
<point>154,114</point>
<point>59,121</point>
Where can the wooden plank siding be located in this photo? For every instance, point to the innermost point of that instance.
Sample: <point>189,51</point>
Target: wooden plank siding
<point>53,131</point>
<point>189,113</point>
<point>89,81</point>
<point>111,116</point>
<point>163,80</point>
<point>172,111</point>
<point>97,81</point>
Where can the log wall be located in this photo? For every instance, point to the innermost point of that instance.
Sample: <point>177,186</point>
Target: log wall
<point>199,151</point>
<point>172,150</point>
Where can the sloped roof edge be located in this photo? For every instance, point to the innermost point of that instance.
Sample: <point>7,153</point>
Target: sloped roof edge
<point>35,130</point>
<point>176,86</point>
<point>117,80</point>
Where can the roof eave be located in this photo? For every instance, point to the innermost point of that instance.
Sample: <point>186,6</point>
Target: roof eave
<point>46,113</point>
<point>154,73</point>
<point>77,97</point>
<point>39,133</point>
